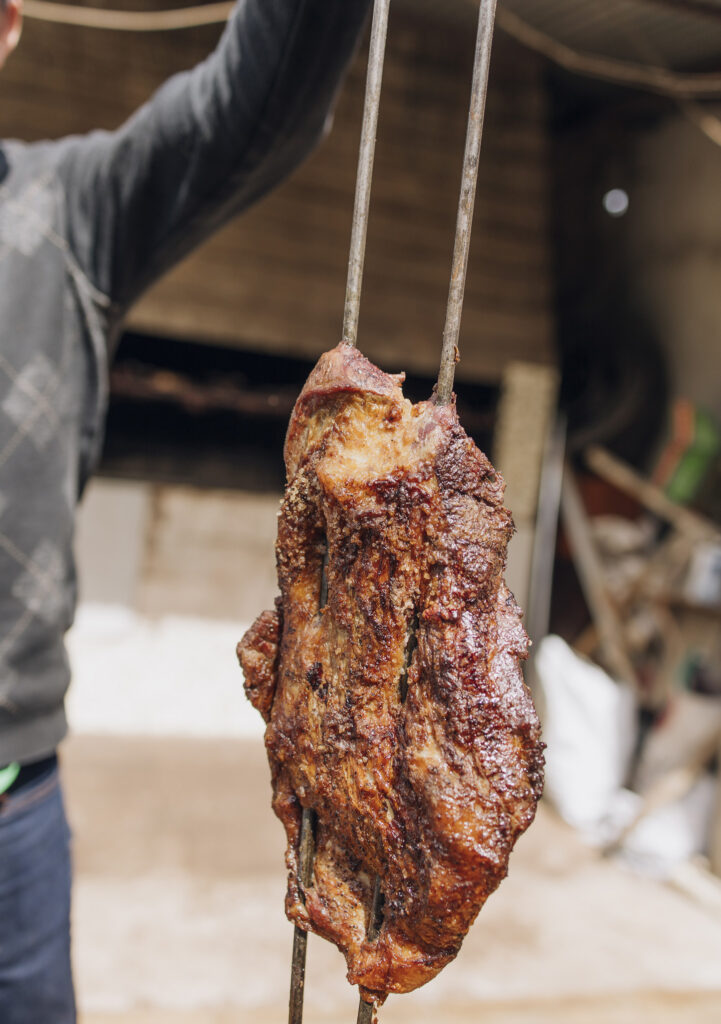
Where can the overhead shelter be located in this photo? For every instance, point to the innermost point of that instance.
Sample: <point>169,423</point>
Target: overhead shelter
<point>273,281</point>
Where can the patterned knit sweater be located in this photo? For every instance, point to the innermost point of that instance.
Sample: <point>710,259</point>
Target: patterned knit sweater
<point>86,225</point>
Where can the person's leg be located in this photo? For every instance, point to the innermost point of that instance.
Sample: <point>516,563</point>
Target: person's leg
<point>35,978</point>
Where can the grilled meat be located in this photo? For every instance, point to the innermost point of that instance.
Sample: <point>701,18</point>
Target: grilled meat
<point>389,674</point>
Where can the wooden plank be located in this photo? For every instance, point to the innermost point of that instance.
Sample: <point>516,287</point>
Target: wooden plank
<point>538,615</point>
<point>616,472</point>
<point>590,574</point>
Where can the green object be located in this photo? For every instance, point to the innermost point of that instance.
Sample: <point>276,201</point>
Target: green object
<point>696,460</point>
<point>8,776</point>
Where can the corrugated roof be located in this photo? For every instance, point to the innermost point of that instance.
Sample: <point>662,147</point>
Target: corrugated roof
<point>680,34</point>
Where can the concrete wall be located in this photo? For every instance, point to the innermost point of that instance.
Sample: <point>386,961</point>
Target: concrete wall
<point>163,550</point>
<point>170,578</point>
<point>674,225</point>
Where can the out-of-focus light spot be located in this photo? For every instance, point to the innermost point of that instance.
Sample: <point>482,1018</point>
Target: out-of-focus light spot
<point>615,202</point>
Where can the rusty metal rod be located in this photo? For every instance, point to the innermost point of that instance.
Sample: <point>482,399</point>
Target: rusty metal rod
<point>365,171</point>
<point>375,920</point>
<point>300,937</point>
<point>365,1012</point>
<point>464,222</point>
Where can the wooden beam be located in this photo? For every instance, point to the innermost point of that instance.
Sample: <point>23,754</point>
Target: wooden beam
<point>590,574</point>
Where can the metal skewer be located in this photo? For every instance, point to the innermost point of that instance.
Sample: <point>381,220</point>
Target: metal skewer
<point>379,30</point>
<point>300,937</point>
<point>356,258</point>
<point>444,390</point>
<point>449,352</point>
<point>365,1010</point>
<point>365,171</point>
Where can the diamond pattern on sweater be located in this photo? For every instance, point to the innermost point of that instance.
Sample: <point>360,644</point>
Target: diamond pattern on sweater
<point>26,403</point>
<point>26,220</point>
<point>40,587</point>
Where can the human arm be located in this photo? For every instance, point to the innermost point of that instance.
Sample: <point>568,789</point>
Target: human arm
<point>208,144</point>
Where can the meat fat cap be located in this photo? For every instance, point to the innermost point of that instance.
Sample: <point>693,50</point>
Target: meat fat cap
<point>342,370</point>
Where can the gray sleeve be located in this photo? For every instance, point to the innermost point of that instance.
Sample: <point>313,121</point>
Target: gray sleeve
<point>208,144</point>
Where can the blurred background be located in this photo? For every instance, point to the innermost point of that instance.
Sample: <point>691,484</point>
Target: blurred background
<point>590,372</point>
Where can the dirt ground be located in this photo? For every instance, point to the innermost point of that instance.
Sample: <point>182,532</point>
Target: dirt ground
<point>671,1009</point>
<point>178,913</point>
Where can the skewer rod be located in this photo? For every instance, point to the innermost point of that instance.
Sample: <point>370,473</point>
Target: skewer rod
<point>449,352</point>
<point>300,938</point>
<point>365,1012</point>
<point>365,171</point>
<point>375,920</point>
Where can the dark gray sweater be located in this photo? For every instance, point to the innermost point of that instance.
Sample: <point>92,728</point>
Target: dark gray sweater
<point>86,225</point>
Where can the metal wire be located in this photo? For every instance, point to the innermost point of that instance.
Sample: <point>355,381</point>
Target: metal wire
<point>300,937</point>
<point>375,920</point>
<point>365,171</point>
<point>128,21</point>
<point>464,222</point>
<point>354,284</point>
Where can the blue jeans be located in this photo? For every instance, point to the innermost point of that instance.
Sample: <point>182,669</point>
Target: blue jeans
<point>36,984</point>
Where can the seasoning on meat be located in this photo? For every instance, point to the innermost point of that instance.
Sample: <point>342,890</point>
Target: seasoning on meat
<point>389,674</point>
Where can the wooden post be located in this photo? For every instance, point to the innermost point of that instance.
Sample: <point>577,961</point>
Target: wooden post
<point>590,573</point>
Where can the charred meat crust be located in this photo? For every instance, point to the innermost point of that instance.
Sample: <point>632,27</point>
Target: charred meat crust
<point>258,657</point>
<point>398,710</point>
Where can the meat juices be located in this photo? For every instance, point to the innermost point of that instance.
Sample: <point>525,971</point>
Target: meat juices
<point>396,707</point>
